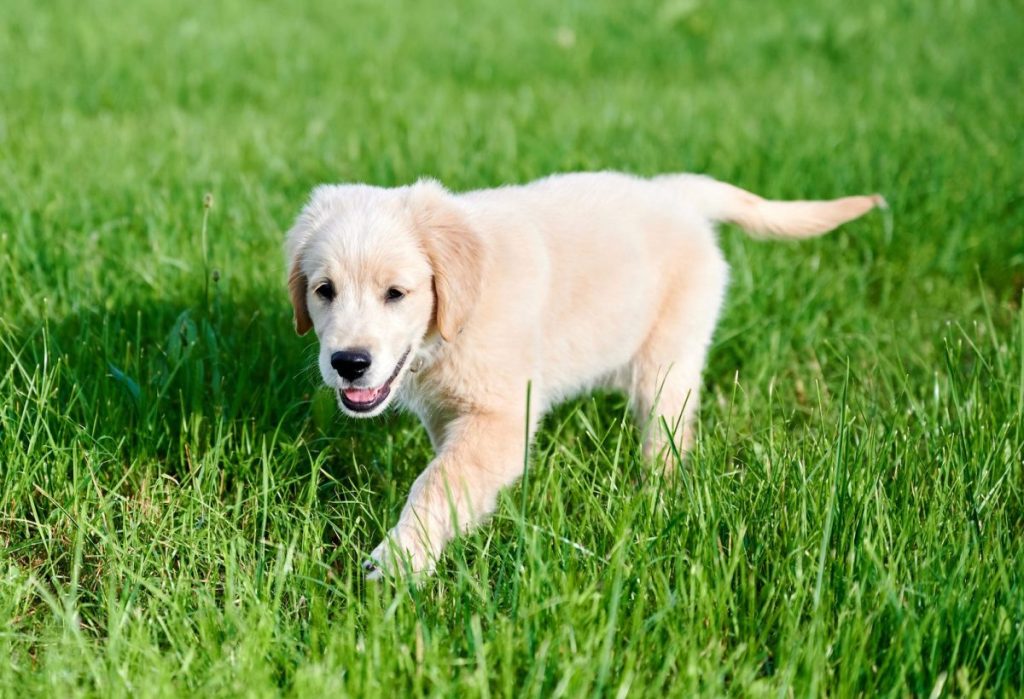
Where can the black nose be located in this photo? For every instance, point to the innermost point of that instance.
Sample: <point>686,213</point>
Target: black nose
<point>351,364</point>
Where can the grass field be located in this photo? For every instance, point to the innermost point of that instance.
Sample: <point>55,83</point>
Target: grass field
<point>183,511</point>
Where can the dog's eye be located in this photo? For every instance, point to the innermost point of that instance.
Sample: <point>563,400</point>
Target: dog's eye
<point>325,291</point>
<point>395,294</point>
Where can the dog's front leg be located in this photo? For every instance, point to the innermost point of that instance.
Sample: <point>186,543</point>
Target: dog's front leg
<point>480,455</point>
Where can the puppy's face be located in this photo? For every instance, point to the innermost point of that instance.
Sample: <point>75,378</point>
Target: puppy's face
<point>364,275</point>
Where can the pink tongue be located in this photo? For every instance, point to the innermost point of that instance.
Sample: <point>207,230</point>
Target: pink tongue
<point>362,395</point>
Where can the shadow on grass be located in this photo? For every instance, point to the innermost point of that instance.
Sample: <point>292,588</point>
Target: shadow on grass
<point>161,380</point>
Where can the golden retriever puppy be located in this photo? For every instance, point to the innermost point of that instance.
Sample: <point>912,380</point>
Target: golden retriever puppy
<point>451,304</point>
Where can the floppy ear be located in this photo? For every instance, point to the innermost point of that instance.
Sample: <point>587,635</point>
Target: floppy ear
<point>455,252</point>
<point>297,283</point>
<point>316,209</point>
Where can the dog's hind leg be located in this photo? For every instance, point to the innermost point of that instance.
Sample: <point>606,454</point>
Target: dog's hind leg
<point>666,372</point>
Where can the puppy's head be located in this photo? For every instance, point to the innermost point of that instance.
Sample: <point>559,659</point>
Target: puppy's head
<point>376,272</point>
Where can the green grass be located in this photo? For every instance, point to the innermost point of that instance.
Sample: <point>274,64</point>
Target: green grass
<point>183,511</point>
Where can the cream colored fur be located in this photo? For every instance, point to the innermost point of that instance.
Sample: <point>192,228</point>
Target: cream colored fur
<point>568,283</point>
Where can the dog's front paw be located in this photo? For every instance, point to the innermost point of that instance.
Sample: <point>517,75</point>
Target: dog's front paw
<point>403,552</point>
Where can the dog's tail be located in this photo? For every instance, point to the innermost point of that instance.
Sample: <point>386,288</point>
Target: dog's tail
<point>764,218</point>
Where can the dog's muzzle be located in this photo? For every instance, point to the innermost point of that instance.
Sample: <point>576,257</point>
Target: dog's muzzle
<point>364,400</point>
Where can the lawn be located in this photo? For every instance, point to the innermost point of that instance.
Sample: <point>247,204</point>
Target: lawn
<point>183,511</point>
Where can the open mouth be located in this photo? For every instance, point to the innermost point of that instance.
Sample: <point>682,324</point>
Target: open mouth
<point>363,400</point>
